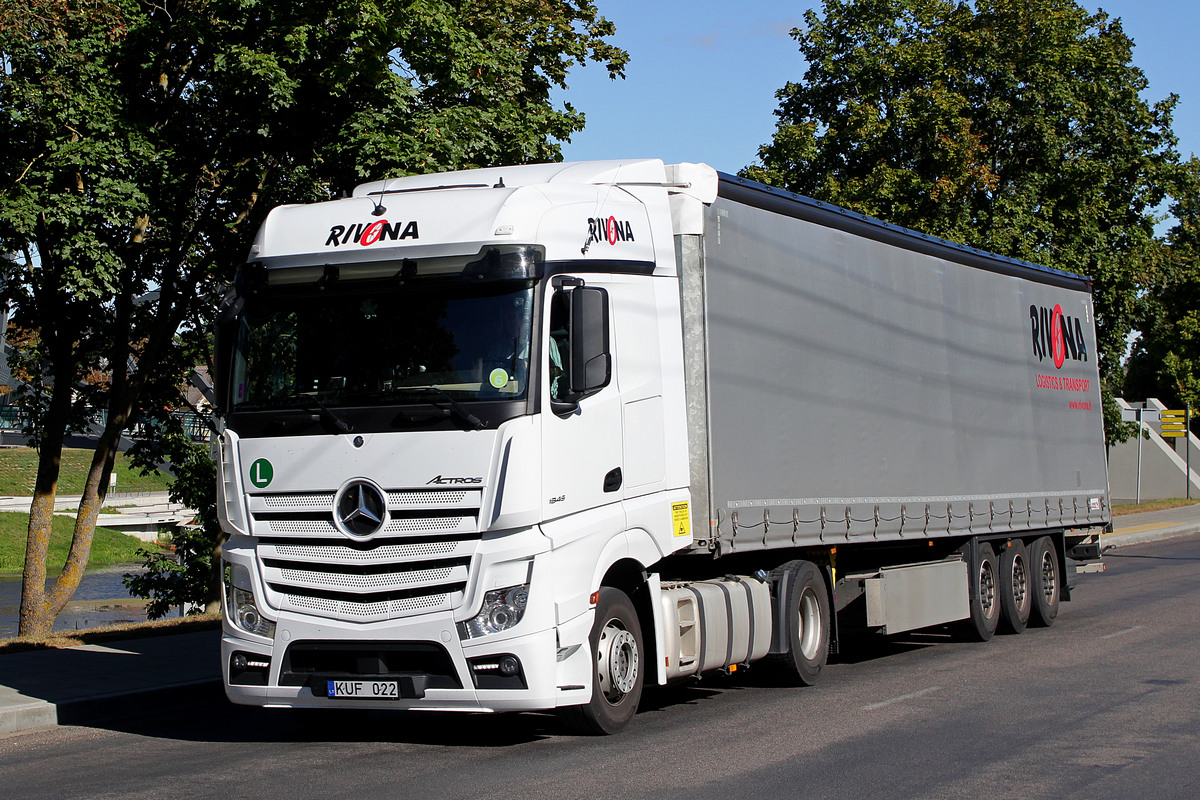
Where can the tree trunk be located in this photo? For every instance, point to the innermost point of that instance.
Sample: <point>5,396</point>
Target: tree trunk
<point>33,619</point>
<point>94,491</point>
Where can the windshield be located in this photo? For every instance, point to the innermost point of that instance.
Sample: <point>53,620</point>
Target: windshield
<point>370,345</point>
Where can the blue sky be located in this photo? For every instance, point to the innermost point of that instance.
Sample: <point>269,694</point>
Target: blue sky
<point>703,75</point>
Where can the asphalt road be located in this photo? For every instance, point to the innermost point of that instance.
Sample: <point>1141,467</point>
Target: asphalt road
<point>1102,705</point>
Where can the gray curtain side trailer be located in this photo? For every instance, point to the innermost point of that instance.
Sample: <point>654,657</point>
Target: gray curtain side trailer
<point>918,420</point>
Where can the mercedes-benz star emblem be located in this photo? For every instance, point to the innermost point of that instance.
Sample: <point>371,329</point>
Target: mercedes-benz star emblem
<point>360,509</point>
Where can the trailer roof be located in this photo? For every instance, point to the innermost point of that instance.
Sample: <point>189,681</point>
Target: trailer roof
<point>760,195</point>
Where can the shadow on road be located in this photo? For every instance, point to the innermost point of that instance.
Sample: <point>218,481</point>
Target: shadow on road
<point>209,717</point>
<point>1111,554</point>
<point>212,718</point>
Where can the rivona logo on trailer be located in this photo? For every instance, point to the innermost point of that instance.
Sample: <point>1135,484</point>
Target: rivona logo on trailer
<point>368,233</point>
<point>1056,335</point>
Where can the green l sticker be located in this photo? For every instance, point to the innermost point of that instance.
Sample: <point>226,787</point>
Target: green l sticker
<point>261,473</point>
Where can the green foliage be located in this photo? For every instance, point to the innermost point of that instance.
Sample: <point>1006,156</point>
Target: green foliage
<point>182,578</point>
<point>187,577</point>
<point>110,546</point>
<point>1165,361</point>
<point>1016,127</point>
<point>141,144</point>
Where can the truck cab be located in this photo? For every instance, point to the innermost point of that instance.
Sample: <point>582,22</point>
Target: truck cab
<point>449,426</point>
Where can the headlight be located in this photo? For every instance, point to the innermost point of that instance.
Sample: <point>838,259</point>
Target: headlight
<point>502,609</point>
<point>240,605</point>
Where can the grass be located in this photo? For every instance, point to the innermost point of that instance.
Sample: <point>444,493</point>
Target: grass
<point>1121,509</point>
<point>18,468</point>
<point>131,630</point>
<point>109,547</point>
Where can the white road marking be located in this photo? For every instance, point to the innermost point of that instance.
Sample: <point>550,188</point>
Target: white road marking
<point>900,699</point>
<point>1122,633</point>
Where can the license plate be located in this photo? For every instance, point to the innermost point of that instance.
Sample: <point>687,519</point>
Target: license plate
<point>370,690</point>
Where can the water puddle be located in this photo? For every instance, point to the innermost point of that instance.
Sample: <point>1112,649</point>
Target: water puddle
<point>101,599</point>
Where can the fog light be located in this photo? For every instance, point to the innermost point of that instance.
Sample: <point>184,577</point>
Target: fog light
<point>500,671</point>
<point>502,609</point>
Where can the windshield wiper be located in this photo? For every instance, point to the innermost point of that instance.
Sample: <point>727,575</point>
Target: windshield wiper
<point>312,405</point>
<point>456,407</point>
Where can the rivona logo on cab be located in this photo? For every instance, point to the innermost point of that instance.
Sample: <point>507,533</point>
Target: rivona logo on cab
<point>1056,335</point>
<point>368,233</point>
<point>611,230</point>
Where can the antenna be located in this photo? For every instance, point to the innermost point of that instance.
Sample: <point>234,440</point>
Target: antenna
<point>599,205</point>
<point>380,210</point>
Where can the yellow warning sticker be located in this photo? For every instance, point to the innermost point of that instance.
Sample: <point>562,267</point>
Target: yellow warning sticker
<point>680,519</point>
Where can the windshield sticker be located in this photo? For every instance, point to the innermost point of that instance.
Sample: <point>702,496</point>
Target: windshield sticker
<point>498,378</point>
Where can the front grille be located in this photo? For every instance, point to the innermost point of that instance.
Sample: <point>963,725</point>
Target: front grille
<point>418,563</point>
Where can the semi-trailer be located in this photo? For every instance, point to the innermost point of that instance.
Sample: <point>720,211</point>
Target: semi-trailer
<point>531,437</point>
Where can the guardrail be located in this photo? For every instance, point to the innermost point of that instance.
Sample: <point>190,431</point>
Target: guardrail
<point>14,418</point>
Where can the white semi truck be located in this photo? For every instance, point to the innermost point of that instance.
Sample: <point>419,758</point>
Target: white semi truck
<point>534,436</point>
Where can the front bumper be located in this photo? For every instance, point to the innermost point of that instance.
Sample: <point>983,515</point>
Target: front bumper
<point>425,655</point>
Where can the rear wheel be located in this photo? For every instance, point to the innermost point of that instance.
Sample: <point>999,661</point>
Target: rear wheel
<point>616,643</point>
<point>1044,577</point>
<point>1016,598</point>
<point>805,607</point>
<point>985,597</point>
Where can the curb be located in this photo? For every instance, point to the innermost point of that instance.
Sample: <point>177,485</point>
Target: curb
<point>1141,534</point>
<point>27,716</point>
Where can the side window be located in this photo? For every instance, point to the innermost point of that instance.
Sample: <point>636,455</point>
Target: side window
<point>559,347</point>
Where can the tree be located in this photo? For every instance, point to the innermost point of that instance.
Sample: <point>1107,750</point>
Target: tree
<point>1165,359</point>
<point>141,144</point>
<point>1016,126</point>
<point>189,575</point>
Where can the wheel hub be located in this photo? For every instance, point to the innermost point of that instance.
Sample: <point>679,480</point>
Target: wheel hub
<point>1019,581</point>
<point>617,662</point>
<point>809,620</point>
<point>987,589</point>
<point>1049,578</point>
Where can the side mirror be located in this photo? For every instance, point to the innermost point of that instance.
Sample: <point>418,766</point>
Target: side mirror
<point>591,361</point>
<point>225,335</point>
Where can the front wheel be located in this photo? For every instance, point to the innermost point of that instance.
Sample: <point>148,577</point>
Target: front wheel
<point>617,650</point>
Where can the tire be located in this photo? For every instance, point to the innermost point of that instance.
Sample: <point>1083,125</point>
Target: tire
<point>1016,599</point>
<point>1044,582</point>
<point>803,604</point>
<point>985,597</point>
<point>617,651</point>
